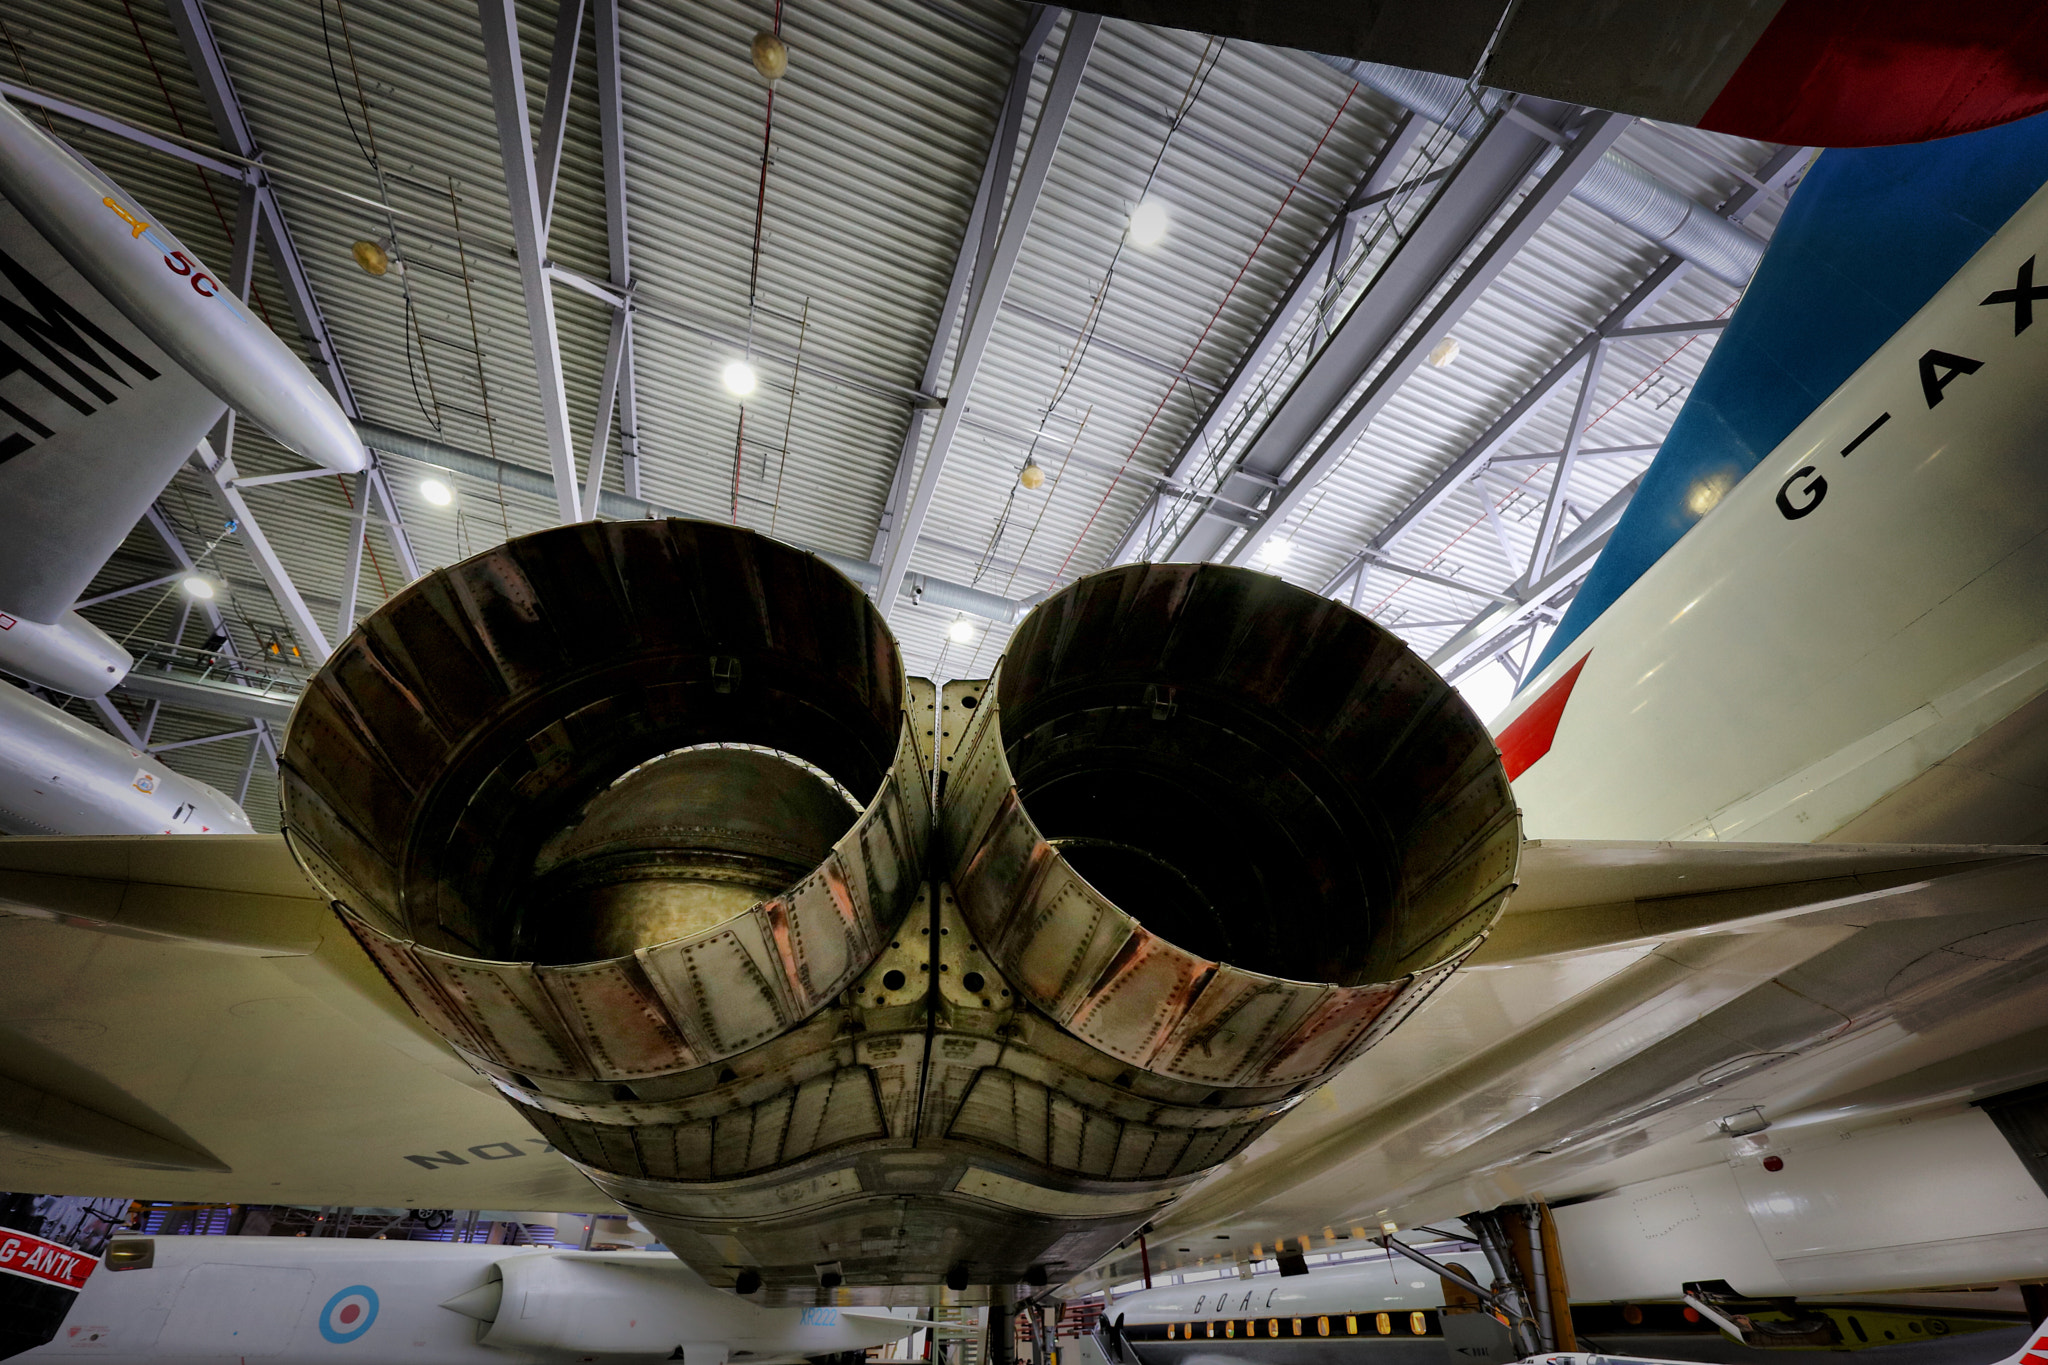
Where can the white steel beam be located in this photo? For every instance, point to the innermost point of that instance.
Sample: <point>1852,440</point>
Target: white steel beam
<point>611,130</point>
<point>1569,567</point>
<point>554,117</point>
<point>500,22</point>
<point>258,209</point>
<point>220,473</point>
<point>615,359</point>
<point>1000,264</point>
<point>352,572</point>
<point>1595,453</point>
<point>118,723</point>
<point>976,243</point>
<point>121,128</point>
<point>1561,478</point>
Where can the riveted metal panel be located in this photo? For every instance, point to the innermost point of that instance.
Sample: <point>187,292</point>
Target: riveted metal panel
<point>514,1021</point>
<point>1235,1024</point>
<point>617,1019</point>
<point>1060,945</point>
<point>1133,1005</point>
<point>720,998</point>
<point>1331,1032</point>
<point>415,984</point>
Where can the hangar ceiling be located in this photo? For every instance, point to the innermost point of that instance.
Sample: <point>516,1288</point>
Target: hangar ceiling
<point>921,239</point>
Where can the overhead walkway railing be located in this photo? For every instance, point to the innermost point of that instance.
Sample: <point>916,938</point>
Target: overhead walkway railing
<point>215,681</point>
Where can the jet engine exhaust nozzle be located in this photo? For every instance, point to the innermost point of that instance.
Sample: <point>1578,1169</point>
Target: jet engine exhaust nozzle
<point>584,798</point>
<point>1222,828</point>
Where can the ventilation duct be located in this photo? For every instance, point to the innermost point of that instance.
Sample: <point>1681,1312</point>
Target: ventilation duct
<point>1616,187</point>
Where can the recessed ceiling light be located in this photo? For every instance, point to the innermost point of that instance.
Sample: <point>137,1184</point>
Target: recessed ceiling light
<point>436,492</point>
<point>740,379</point>
<point>1274,553</point>
<point>960,632</point>
<point>195,586</point>
<point>1148,223</point>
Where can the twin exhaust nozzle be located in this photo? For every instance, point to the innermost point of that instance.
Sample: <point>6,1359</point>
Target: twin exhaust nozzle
<point>640,817</point>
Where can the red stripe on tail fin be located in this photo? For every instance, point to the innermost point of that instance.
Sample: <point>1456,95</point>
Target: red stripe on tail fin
<point>1528,735</point>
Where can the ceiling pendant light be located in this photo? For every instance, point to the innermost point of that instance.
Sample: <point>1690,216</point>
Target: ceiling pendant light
<point>1149,222</point>
<point>740,379</point>
<point>771,56</point>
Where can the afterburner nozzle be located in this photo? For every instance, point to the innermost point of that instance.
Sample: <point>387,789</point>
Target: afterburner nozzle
<point>1223,828</point>
<point>584,798</point>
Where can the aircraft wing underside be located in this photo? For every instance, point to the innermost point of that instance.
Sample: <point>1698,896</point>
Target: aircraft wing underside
<point>190,1021</point>
<point>1633,995</point>
<point>187,1020</point>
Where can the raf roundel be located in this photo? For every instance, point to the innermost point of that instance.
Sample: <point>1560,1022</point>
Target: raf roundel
<point>349,1314</point>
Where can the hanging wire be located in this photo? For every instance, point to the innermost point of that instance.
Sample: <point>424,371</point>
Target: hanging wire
<point>483,384</point>
<point>369,150</point>
<point>803,328</point>
<point>761,195</point>
<point>1198,79</point>
<point>1195,350</point>
<point>739,440</point>
<point>1377,240</point>
<point>15,48</point>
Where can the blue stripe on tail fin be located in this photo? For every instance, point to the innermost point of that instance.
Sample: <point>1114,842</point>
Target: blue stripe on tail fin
<point>1870,236</point>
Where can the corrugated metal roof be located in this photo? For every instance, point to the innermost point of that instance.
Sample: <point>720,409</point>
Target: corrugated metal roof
<point>1104,357</point>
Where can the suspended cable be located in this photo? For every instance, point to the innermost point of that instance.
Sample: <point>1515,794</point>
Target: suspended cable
<point>1207,327</point>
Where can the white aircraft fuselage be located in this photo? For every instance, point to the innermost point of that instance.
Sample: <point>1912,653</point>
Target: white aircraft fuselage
<point>1813,659</point>
<point>288,1300</point>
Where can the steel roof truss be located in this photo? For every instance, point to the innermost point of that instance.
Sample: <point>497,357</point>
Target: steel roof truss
<point>1497,160</point>
<point>1312,284</point>
<point>611,131</point>
<point>500,23</point>
<point>993,277</point>
<point>259,215</point>
<point>1561,479</point>
<point>976,245</point>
